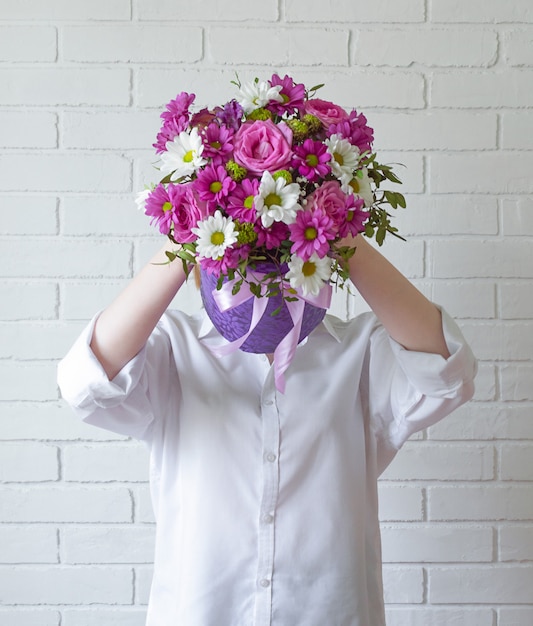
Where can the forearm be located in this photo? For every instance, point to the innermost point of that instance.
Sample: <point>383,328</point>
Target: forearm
<point>409,317</point>
<point>125,325</point>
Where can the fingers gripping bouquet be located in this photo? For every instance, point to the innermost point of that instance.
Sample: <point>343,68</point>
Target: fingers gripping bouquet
<point>260,193</point>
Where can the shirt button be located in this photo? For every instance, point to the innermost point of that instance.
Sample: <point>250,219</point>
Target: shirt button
<point>264,582</point>
<point>267,518</point>
<point>270,457</point>
<point>269,402</point>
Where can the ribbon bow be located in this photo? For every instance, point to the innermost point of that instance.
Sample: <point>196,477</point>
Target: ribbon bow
<point>286,349</point>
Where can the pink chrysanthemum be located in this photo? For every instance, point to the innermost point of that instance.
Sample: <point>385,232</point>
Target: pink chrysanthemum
<point>213,185</point>
<point>293,95</point>
<point>311,233</point>
<point>271,237</point>
<point>241,205</point>
<point>160,208</point>
<point>355,217</point>
<point>176,119</point>
<point>230,260</point>
<point>355,130</point>
<point>311,159</point>
<point>218,144</point>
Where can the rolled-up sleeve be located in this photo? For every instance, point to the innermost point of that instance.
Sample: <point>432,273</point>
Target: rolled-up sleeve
<point>123,404</point>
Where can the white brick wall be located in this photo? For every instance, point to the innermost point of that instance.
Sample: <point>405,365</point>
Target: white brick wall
<point>448,87</point>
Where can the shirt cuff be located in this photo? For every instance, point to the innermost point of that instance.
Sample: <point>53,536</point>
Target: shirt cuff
<point>83,381</point>
<point>432,374</point>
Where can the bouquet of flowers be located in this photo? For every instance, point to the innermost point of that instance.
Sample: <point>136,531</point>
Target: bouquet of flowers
<point>274,175</point>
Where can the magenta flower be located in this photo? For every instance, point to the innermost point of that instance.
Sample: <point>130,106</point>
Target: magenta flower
<point>311,159</point>
<point>271,237</point>
<point>176,119</point>
<point>263,145</point>
<point>354,218</point>
<point>218,144</point>
<point>327,112</point>
<point>213,185</point>
<point>230,260</point>
<point>230,115</point>
<point>330,198</point>
<point>241,205</point>
<point>293,96</point>
<point>355,130</point>
<point>179,106</point>
<point>160,208</point>
<point>311,233</point>
<point>188,211</point>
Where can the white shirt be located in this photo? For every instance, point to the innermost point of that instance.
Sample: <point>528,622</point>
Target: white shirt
<point>266,503</point>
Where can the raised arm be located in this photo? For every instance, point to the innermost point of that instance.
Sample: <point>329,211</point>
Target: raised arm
<point>125,325</point>
<point>409,317</point>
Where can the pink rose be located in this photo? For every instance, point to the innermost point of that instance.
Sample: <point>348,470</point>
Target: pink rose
<point>327,112</point>
<point>330,198</point>
<point>263,146</point>
<point>188,210</point>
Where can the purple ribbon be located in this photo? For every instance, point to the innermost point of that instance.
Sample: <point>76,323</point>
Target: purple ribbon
<point>285,350</point>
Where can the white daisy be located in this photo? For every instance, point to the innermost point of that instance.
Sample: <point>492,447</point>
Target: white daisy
<point>142,197</point>
<point>256,94</point>
<point>277,200</point>
<point>183,155</point>
<point>310,275</point>
<point>344,156</point>
<point>359,185</point>
<point>215,234</point>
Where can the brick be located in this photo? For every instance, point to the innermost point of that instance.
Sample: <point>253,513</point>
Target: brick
<point>476,421</point>
<point>429,616</point>
<point>26,44</point>
<point>381,11</point>
<point>403,585</point>
<point>481,173</point>
<point>143,583</point>
<point>110,130</point>
<point>491,11</point>
<point>517,130</point>
<point>28,544</point>
<point>434,130</point>
<point>48,421</point>
<point>474,503</point>
<point>41,341</point>
<point>22,616</point>
<point>65,172</point>
<point>447,214</point>
<point>464,299</point>
<point>400,503</point>
<point>80,301</point>
<point>367,89</point>
<point>37,217</point>
<point>436,544</point>
<point>326,46</point>
<point>132,44</point>
<point>515,543</point>
<point>104,215</point>
<point>517,216</point>
<point>516,382</point>
<point>65,258</point>
<point>144,512</point>
<point>65,10</point>
<point>125,616</point>
<point>99,545</point>
<point>27,381</point>
<point>515,300</point>
<point>515,461</point>
<point>508,340</point>
<point>426,461</point>
<point>65,504</point>
<point>66,585</point>
<point>28,301</point>
<point>34,462</point>
<point>31,129</point>
<point>469,258</point>
<point>485,383</point>
<point>479,585</point>
<point>105,463</point>
<point>435,47</point>
<point>515,616</point>
<point>207,11</point>
<point>64,86</point>
<point>511,88</point>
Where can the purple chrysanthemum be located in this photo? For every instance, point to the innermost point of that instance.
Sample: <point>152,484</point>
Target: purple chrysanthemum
<point>311,233</point>
<point>241,201</point>
<point>311,159</point>
<point>231,114</point>
<point>355,217</point>
<point>293,95</point>
<point>218,144</point>
<point>160,208</point>
<point>175,120</point>
<point>213,185</point>
<point>355,130</point>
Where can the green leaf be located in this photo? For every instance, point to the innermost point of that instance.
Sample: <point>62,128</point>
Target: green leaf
<point>276,311</point>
